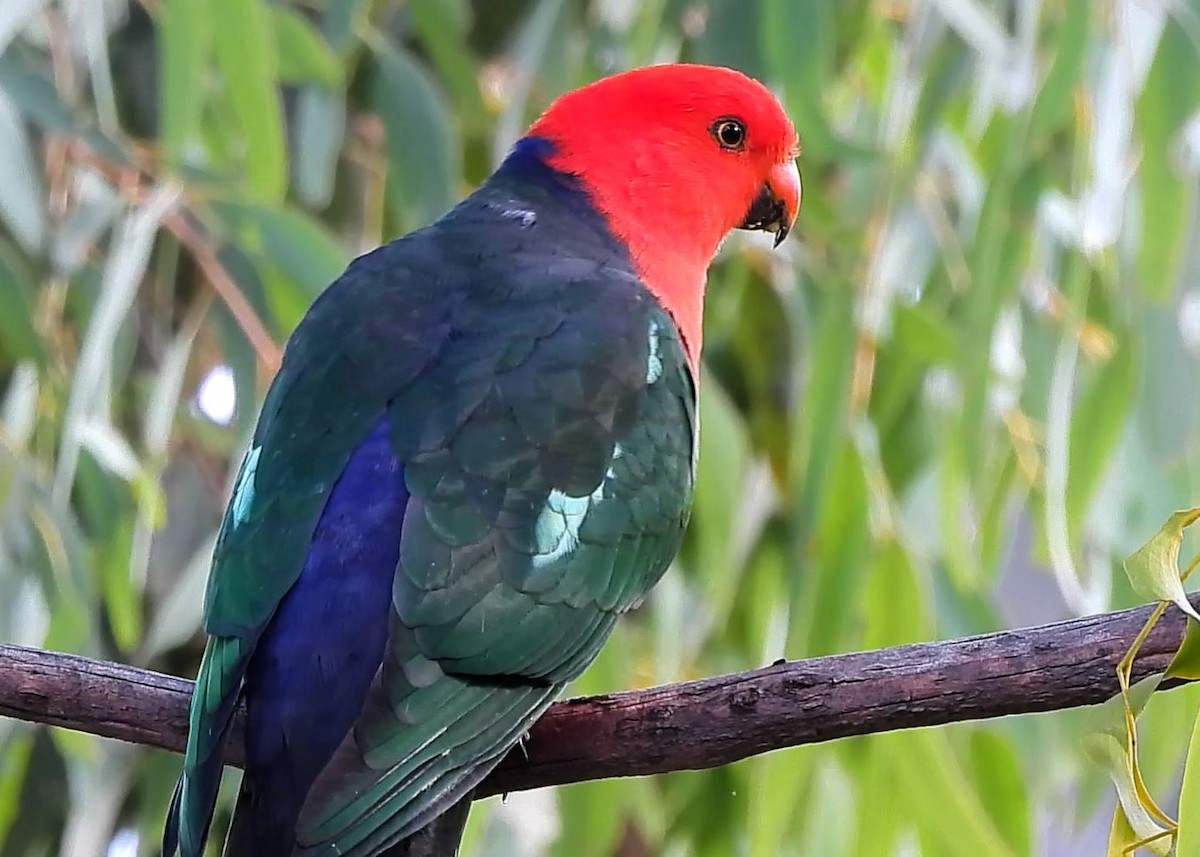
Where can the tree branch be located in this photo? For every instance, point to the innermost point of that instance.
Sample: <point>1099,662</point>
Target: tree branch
<point>685,726</point>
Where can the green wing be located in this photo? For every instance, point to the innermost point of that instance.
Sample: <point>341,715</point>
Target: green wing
<point>319,408</point>
<point>534,522</point>
<point>546,434</point>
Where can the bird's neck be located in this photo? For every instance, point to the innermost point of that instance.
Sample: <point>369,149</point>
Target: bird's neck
<point>672,262</point>
<point>679,287</point>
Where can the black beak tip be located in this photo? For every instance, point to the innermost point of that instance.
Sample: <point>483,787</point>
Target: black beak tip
<point>769,214</point>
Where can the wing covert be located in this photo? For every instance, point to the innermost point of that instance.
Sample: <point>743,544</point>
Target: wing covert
<point>532,524</point>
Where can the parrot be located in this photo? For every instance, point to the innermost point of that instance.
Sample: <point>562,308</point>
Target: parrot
<point>477,453</point>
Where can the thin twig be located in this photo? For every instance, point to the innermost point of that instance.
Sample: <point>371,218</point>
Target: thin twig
<point>128,182</point>
<point>227,290</point>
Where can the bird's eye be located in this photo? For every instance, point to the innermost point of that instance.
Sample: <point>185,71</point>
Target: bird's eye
<point>730,133</point>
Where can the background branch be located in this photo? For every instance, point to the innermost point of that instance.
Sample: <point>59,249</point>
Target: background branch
<point>684,726</point>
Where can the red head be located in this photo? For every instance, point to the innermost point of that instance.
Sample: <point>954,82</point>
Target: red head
<point>675,157</point>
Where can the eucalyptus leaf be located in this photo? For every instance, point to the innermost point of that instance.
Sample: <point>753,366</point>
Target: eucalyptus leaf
<point>21,195</point>
<point>420,137</point>
<point>185,29</point>
<point>178,617</point>
<point>1187,839</point>
<point>1153,568</point>
<point>131,247</point>
<point>19,338</point>
<point>301,247</point>
<point>1109,752</point>
<point>1170,95</point>
<point>248,60</point>
<point>98,205</point>
<point>1186,662</point>
<point>304,56</point>
<point>319,131</point>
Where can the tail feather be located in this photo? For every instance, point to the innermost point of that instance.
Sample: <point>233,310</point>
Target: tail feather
<point>170,840</point>
<point>356,809</point>
<point>246,837</point>
<point>263,824</point>
<point>214,701</point>
<point>240,841</point>
<point>440,838</point>
<point>190,812</point>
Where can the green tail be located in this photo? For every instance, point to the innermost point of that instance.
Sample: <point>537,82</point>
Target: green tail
<point>214,702</point>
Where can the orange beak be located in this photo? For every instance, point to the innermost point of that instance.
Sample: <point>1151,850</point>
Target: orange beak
<point>775,207</point>
<point>785,184</point>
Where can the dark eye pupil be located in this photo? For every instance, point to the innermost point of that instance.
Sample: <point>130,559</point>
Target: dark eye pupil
<point>730,133</point>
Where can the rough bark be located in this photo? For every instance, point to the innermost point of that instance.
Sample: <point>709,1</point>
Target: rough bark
<point>684,726</point>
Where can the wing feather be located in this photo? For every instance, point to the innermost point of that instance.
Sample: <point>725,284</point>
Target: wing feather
<point>513,566</point>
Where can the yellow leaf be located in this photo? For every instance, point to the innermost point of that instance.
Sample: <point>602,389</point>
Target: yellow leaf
<point>1120,835</point>
<point>1153,568</point>
<point>1109,752</point>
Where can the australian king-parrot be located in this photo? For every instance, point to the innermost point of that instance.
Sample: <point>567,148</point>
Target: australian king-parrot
<point>478,452</point>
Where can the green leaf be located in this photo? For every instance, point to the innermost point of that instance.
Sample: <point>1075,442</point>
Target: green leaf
<point>773,819</point>
<point>1188,836</point>
<point>798,42</point>
<point>879,815</point>
<point>895,606</point>
<point>1170,95</point>
<point>931,781</point>
<point>15,751</point>
<point>921,332</point>
<point>1054,105</point>
<point>320,133</point>
<point>341,20</point>
<point>122,597</point>
<point>184,44</point>
<point>128,259</point>
<point>304,55</point>
<point>301,247</point>
<point>1001,786</point>
<point>732,37</point>
<point>1109,716</point>
<point>22,199</point>
<point>844,546</point>
<point>724,454</point>
<point>420,139</point>
<point>26,80</point>
<point>443,27</point>
<point>821,425</point>
<point>178,616</point>
<point>822,827</point>
<point>1186,662</point>
<point>294,255</point>
<point>1100,415</point>
<point>247,59</point>
<point>1153,568</point>
<point>18,338</point>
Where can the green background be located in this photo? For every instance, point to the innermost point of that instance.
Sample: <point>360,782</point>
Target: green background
<point>953,402</point>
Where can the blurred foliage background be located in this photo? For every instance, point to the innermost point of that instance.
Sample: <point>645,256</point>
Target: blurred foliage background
<point>953,403</point>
